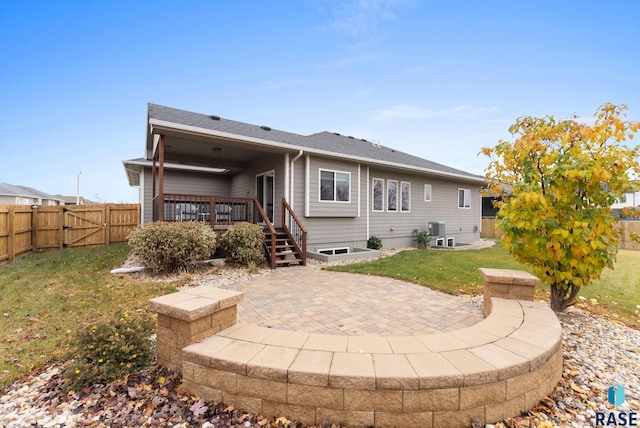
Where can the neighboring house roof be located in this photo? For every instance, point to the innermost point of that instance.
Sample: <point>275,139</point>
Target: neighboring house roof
<point>70,200</point>
<point>7,189</point>
<point>323,142</point>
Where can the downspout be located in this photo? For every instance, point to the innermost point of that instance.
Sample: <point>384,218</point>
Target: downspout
<point>286,177</point>
<point>293,177</point>
<point>307,168</point>
<point>368,206</point>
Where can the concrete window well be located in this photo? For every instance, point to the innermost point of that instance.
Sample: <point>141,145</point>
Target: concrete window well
<point>495,369</point>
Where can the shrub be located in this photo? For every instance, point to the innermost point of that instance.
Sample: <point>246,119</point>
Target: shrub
<point>374,243</point>
<point>107,350</point>
<point>421,238</point>
<point>243,243</point>
<point>173,246</point>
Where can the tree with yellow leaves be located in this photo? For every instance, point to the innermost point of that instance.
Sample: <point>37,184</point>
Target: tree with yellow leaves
<point>557,181</point>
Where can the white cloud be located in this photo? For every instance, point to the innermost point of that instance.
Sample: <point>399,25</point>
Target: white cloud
<point>362,18</point>
<point>359,59</point>
<point>405,111</point>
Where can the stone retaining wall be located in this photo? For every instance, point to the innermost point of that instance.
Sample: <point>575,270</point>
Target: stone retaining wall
<point>499,367</point>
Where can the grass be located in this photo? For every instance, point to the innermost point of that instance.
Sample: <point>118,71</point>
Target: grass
<point>46,297</point>
<point>614,295</point>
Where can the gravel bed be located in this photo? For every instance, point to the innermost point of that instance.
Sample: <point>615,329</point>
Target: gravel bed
<point>598,353</point>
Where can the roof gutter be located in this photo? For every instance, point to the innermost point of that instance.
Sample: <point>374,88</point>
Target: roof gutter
<point>161,125</point>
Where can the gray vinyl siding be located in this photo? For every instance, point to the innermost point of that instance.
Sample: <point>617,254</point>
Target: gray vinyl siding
<point>326,230</point>
<point>396,228</point>
<point>331,229</point>
<point>318,208</point>
<point>184,183</point>
<point>243,185</point>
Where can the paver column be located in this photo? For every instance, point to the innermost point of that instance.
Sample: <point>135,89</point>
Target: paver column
<point>189,316</point>
<point>508,284</point>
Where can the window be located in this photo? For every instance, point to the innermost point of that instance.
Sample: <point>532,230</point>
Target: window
<point>392,195</point>
<point>427,192</point>
<point>335,186</point>
<point>405,192</point>
<point>464,198</point>
<point>378,194</point>
<point>334,251</point>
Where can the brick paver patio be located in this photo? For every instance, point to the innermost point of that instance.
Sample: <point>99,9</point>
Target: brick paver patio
<point>308,299</point>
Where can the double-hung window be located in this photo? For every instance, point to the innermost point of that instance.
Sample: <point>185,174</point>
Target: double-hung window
<point>335,186</point>
<point>464,198</point>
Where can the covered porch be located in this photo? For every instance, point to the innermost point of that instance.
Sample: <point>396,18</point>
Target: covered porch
<point>220,172</point>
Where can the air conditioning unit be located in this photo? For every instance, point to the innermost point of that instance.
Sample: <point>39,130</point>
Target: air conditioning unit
<point>436,228</point>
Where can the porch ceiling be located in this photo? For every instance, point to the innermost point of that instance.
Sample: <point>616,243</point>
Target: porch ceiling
<point>232,155</point>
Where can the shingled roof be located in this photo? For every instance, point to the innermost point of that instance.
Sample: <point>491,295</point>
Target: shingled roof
<point>334,143</point>
<point>7,189</point>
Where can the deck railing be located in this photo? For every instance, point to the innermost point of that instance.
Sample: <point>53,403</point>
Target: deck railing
<point>293,225</point>
<point>226,211</point>
<point>216,210</point>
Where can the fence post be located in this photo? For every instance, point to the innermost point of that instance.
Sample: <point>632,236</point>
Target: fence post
<point>11,243</point>
<point>34,227</point>
<point>107,224</point>
<point>61,228</point>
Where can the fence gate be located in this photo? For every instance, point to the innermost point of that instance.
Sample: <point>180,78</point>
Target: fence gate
<point>84,226</point>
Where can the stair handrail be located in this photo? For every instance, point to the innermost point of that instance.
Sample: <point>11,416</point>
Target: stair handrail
<point>272,232</point>
<point>300,234</point>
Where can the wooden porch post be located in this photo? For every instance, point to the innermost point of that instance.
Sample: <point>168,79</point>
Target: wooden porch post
<point>153,178</point>
<point>161,181</point>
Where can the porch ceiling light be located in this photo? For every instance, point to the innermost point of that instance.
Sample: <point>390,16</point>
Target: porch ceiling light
<point>216,150</point>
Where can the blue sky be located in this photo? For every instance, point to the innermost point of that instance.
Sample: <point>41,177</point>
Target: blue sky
<point>438,80</point>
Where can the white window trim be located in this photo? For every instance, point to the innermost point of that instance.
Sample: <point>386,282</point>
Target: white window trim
<point>430,192</point>
<point>402,183</point>
<point>389,210</point>
<point>334,201</point>
<point>373,180</point>
<point>333,250</point>
<point>463,198</point>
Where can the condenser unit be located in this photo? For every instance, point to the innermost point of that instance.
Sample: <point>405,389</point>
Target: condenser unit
<point>436,228</point>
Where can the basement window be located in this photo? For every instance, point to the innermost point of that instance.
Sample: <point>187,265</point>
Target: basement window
<point>334,251</point>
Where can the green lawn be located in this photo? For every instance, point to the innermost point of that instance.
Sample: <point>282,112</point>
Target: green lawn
<point>46,297</point>
<point>456,272</point>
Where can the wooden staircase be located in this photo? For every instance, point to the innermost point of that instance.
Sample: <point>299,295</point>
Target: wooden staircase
<point>285,250</point>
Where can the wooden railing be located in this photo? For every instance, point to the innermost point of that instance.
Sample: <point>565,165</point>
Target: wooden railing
<point>219,211</point>
<point>226,211</point>
<point>270,248</point>
<point>296,230</point>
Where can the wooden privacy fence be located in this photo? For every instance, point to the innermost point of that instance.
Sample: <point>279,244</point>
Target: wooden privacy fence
<point>629,230</point>
<point>24,228</point>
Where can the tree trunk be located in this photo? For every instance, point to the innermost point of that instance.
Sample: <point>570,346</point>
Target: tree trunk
<point>561,297</point>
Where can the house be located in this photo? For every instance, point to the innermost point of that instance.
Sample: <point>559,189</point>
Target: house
<point>12,194</point>
<point>628,206</point>
<point>329,192</point>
